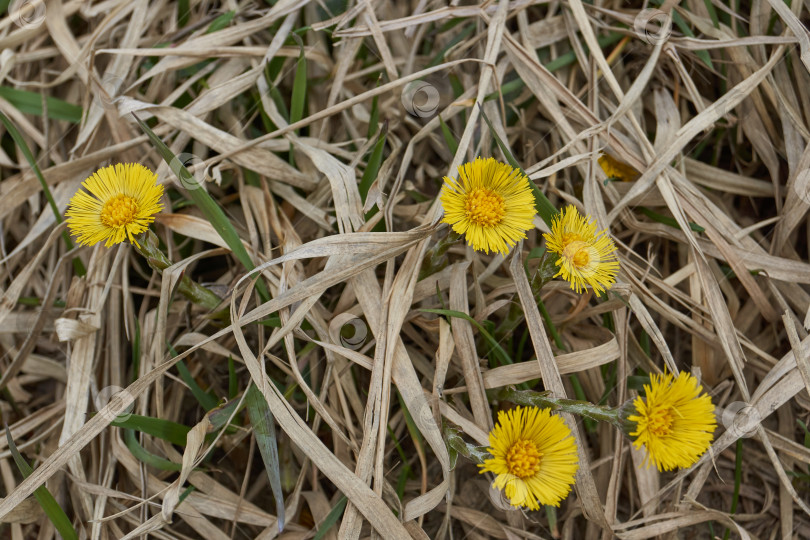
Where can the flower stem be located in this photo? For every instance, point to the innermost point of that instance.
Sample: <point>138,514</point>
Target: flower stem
<point>148,246</point>
<point>551,328</point>
<point>585,409</point>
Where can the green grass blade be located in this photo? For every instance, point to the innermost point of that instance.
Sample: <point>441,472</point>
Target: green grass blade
<point>373,166</point>
<point>209,207</point>
<point>29,157</point>
<point>496,347</point>
<point>157,427</point>
<point>220,415</point>
<point>374,117</point>
<point>147,457</point>
<point>545,209</point>
<point>49,505</point>
<point>458,38</point>
<point>668,220</point>
<point>331,519</point>
<point>683,26</point>
<point>183,13</point>
<point>206,400</point>
<point>264,428</point>
<point>31,103</point>
<point>299,92</point>
<point>449,138</point>
<point>712,13</point>
<point>220,22</point>
<point>136,351</point>
<point>233,383</point>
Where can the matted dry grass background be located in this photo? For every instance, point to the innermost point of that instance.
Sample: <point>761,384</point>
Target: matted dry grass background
<point>715,114</point>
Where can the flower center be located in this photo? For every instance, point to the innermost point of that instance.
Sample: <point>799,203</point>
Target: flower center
<point>659,421</point>
<point>120,210</point>
<point>484,207</point>
<point>523,459</point>
<point>576,250</point>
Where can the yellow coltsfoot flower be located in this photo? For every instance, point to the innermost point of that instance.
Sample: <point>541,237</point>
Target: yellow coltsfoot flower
<point>534,457</point>
<point>585,256</point>
<point>675,423</point>
<point>491,204</point>
<point>120,202</point>
<point>617,169</point>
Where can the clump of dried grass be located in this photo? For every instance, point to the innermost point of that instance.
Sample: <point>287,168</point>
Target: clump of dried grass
<point>707,102</point>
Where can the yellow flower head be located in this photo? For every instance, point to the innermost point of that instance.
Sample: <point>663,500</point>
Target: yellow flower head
<point>616,169</point>
<point>534,457</point>
<point>120,202</point>
<point>675,423</point>
<point>585,256</point>
<point>492,205</point>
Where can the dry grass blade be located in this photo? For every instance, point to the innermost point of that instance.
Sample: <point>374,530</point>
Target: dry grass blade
<point>301,147</point>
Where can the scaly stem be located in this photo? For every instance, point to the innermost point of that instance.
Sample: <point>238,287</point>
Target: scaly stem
<point>586,409</point>
<point>148,246</point>
<point>551,328</point>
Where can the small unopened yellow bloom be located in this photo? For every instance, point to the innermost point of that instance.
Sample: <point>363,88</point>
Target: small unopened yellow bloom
<point>534,457</point>
<point>491,204</point>
<point>120,202</point>
<point>675,423</point>
<point>585,256</point>
<point>617,169</point>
